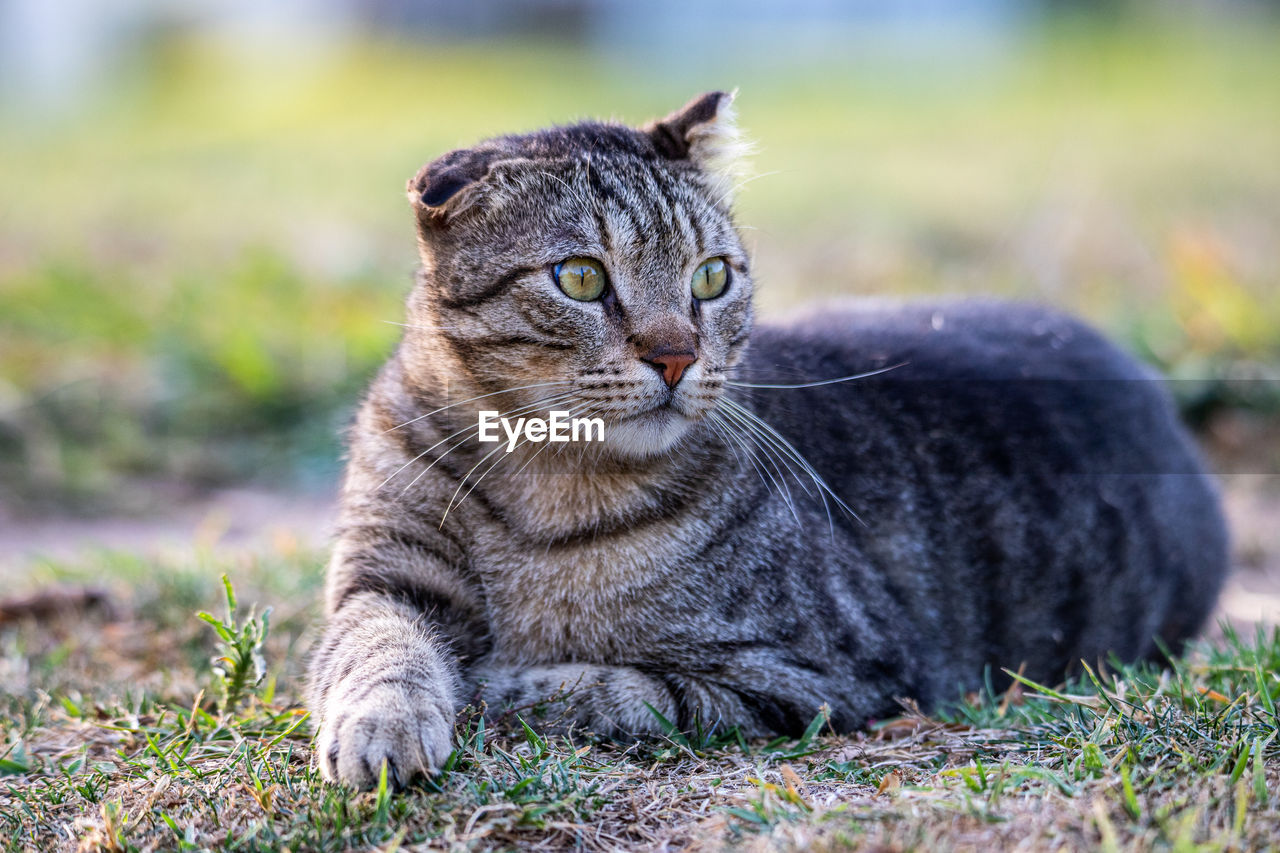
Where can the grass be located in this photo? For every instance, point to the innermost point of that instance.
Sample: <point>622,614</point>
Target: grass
<point>195,286</point>
<point>118,733</point>
<point>206,252</point>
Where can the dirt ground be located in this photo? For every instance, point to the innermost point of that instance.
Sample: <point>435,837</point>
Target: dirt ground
<point>230,521</point>
<point>1252,595</point>
<point>236,521</point>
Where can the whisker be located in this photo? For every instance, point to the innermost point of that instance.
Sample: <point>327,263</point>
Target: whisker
<point>746,443</point>
<point>798,457</point>
<point>713,422</point>
<point>463,482</point>
<point>420,326</point>
<point>733,442</point>
<point>823,382</point>
<point>465,438</point>
<point>573,191</point>
<point>733,190</point>
<point>496,463</point>
<point>786,450</point>
<point>576,413</point>
<point>781,450</point>
<point>544,446</point>
<point>480,397</point>
<point>551,400</point>
<point>770,458</point>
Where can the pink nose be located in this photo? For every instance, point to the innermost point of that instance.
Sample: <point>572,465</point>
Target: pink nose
<point>671,365</point>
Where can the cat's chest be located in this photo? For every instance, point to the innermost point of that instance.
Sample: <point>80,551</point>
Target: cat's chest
<point>597,600</point>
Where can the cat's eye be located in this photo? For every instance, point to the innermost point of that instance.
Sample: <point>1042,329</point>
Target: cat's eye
<point>581,278</point>
<point>710,279</point>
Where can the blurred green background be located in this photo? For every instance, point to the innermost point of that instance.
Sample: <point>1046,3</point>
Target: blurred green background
<point>204,239</point>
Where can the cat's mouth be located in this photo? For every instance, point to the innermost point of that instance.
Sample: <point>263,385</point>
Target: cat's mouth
<point>658,419</point>
<point>659,412</point>
<point>672,406</point>
<point>653,419</point>
<point>667,410</point>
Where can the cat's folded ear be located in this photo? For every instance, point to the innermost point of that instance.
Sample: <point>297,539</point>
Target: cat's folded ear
<point>704,132</point>
<point>446,186</point>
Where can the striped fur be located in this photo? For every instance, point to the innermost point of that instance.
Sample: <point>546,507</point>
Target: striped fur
<point>1023,491</point>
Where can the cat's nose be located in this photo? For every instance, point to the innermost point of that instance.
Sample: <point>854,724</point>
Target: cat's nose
<point>670,364</point>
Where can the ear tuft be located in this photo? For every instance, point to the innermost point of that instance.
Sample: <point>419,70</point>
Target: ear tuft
<point>704,132</point>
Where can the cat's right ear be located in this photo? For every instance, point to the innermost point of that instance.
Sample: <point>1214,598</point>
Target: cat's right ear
<point>705,133</point>
<point>446,186</point>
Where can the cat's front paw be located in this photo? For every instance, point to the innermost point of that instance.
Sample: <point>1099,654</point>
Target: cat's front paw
<point>412,734</point>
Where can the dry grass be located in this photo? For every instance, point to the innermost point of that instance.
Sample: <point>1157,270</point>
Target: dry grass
<point>117,735</point>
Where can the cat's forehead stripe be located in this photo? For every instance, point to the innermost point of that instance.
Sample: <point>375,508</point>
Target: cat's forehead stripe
<point>641,200</point>
<point>621,227</point>
<point>634,202</point>
<point>681,214</point>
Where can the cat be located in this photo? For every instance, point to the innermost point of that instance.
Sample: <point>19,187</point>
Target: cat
<point>750,542</point>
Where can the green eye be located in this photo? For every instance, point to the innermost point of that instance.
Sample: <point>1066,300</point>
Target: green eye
<point>710,279</point>
<point>580,278</point>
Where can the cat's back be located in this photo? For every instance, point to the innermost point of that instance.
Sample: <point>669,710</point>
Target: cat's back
<point>1008,375</point>
<point>948,338</point>
<point>1038,472</point>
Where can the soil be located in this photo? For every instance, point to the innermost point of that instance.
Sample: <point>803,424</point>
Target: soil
<point>225,522</point>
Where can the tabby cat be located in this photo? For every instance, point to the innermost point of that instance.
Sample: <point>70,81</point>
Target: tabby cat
<point>997,487</point>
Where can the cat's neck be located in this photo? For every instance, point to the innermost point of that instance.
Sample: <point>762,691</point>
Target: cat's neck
<point>559,490</point>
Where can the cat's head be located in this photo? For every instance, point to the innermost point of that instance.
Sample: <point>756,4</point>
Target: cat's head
<point>595,265</point>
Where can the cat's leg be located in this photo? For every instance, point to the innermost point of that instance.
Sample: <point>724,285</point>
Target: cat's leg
<point>384,682</point>
<point>383,689</point>
<point>617,700</point>
<point>607,700</point>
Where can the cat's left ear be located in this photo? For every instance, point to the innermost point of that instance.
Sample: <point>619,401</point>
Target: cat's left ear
<point>448,185</point>
<point>704,132</point>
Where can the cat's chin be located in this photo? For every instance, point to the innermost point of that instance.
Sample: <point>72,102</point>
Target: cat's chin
<point>646,435</point>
